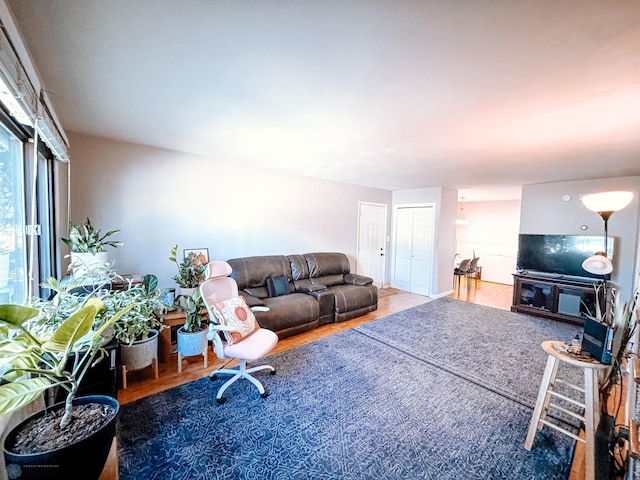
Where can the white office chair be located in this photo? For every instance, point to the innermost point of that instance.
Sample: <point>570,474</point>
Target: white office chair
<point>231,318</point>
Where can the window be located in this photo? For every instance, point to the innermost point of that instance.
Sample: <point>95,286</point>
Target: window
<point>13,272</point>
<point>47,238</point>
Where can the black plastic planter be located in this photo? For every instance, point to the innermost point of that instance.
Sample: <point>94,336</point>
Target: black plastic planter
<point>81,460</point>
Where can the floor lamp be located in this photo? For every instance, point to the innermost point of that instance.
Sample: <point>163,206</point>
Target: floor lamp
<point>604,204</point>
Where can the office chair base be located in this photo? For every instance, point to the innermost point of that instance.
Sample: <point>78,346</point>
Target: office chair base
<point>241,372</point>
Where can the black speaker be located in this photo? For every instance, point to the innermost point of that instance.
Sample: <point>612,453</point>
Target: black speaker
<point>597,340</point>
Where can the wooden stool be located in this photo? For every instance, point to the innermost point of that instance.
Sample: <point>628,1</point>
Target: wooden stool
<point>591,403</point>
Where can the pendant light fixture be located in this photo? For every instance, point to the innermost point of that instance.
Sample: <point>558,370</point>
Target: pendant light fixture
<point>461,220</point>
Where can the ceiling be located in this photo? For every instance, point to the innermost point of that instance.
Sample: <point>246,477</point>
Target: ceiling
<point>475,95</point>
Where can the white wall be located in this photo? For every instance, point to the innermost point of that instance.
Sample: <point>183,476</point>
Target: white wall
<point>492,233</point>
<point>544,212</point>
<point>158,198</point>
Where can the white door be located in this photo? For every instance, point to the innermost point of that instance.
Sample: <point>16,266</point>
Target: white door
<point>404,240</point>
<point>414,249</point>
<point>372,233</point>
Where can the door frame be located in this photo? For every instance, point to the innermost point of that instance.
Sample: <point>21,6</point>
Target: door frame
<point>386,237</point>
<point>392,247</point>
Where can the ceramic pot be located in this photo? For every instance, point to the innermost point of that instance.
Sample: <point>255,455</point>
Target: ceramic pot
<point>83,459</point>
<point>140,354</point>
<point>182,293</point>
<point>192,343</point>
<point>87,263</point>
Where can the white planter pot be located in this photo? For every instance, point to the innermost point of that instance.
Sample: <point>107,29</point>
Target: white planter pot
<point>140,354</point>
<point>88,263</point>
<point>192,343</point>
<point>182,293</point>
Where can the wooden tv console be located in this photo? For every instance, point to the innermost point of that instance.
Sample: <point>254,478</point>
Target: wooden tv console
<point>556,297</point>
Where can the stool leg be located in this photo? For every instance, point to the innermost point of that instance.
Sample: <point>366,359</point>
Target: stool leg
<point>591,420</point>
<point>542,403</point>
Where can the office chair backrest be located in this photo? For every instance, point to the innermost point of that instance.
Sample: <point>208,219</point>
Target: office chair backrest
<point>218,286</point>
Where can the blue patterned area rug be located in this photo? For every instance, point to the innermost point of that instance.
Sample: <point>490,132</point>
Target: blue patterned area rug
<point>357,406</point>
<point>494,348</point>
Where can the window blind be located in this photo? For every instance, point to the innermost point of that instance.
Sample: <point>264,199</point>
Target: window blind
<point>25,103</point>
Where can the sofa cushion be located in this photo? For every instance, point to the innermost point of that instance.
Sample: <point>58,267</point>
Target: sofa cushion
<point>299,267</point>
<point>234,312</point>
<point>251,272</point>
<point>277,286</point>
<point>258,292</point>
<point>253,301</point>
<point>323,264</point>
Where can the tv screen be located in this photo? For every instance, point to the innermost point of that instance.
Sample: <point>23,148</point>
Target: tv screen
<point>560,254</point>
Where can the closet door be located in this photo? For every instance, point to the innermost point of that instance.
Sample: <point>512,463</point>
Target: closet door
<point>414,249</point>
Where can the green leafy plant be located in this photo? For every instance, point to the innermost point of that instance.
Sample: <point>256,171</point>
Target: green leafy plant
<point>624,326</point>
<point>32,361</point>
<point>146,299</point>
<point>86,238</point>
<point>195,312</point>
<point>190,269</point>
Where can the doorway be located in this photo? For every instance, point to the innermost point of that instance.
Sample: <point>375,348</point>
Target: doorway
<point>413,255</point>
<point>372,234</point>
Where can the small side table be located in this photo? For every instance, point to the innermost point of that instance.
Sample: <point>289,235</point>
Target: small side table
<point>591,403</point>
<point>175,318</point>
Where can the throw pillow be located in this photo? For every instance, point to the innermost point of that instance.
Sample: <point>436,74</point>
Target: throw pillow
<point>235,312</point>
<point>277,286</point>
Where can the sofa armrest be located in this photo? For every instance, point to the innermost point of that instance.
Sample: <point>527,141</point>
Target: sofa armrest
<point>311,288</point>
<point>355,279</point>
<point>305,286</point>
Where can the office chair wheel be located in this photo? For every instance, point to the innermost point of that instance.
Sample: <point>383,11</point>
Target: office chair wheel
<point>221,400</point>
<point>265,394</point>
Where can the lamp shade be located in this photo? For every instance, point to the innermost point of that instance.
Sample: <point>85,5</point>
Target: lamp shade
<point>598,264</point>
<point>607,201</point>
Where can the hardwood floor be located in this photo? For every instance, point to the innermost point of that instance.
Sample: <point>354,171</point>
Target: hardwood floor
<point>141,383</point>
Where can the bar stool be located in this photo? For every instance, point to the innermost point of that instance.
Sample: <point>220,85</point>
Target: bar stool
<point>591,403</point>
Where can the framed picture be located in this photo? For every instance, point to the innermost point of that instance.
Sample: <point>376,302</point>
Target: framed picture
<point>203,253</point>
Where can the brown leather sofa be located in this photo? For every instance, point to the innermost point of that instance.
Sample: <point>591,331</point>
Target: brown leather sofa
<point>318,289</point>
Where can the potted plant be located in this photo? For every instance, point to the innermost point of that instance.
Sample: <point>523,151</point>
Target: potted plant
<point>137,331</point>
<point>74,436</point>
<point>88,247</point>
<point>190,273</point>
<point>192,336</point>
<point>619,316</point>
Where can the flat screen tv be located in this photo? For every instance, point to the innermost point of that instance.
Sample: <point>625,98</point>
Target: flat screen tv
<point>560,254</point>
